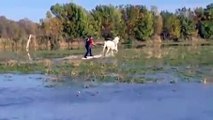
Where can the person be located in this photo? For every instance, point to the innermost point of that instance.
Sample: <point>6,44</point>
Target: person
<point>88,45</point>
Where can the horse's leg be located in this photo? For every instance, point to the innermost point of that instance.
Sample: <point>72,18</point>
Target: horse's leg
<point>112,53</point>
<point>107,52</point>
<point>104,49</point>
<point>116,49</point>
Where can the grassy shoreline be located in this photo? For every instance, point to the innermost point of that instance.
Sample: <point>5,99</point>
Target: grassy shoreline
<point>129,65</point>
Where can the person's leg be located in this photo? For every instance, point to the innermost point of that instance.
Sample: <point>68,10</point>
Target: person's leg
<point>90,51</point>
<point>87,51</point>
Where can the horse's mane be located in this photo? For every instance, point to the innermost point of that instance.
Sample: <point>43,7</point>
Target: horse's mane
<point>116,40</point>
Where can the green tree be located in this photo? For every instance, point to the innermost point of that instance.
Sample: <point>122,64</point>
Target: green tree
<point>171,26</point>
<point>74,19</point>
<point>158,21</point>
<point>188,25</point>
<point>207,29</point>
<point>130,16</point>
<point>209,12</point>
<point>174,27</point>
<point>144,29</point>
<point>138,22</point>
<point>52,30</point>
<point>205,21</point>
<point>107,19</point>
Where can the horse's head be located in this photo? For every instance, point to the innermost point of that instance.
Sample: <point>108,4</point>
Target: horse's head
<point>116,40</point>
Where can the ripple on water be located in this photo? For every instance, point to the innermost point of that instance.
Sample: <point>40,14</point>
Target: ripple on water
<point>11,101</point>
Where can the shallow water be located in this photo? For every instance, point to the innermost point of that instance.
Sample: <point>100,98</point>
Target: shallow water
<point>34,97</point>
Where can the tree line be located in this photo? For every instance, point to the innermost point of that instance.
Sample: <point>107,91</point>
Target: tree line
<point>69,22</point>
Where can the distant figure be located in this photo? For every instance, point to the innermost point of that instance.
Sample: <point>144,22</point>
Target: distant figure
<point>89,43</point>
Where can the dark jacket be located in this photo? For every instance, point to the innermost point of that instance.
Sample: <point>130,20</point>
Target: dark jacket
<point>89,42</point>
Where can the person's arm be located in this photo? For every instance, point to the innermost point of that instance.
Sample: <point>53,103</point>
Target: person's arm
<point>92,42</point>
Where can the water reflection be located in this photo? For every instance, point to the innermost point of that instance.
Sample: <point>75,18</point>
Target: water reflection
<point>195,45</point>
<point>153,49</point>
<point>156,49</point>
<point>26,95</point>
<point>208,80</point>
<point>29,56</point>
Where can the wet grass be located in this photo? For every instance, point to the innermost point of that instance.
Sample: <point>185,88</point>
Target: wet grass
<point>21,68</point>
<point>129,65</point>
<point>56,53</point>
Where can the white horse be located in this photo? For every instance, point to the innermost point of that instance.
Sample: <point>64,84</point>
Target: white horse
<point>111,45</point>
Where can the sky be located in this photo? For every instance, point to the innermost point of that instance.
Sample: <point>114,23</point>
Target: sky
<point>36,9</point>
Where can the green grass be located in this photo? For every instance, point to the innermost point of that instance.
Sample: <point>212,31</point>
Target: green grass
<point>129,65</point>
<point>22,68</point>
<point>56,53</point>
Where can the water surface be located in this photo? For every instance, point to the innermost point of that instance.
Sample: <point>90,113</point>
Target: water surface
<point>35,97</point>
